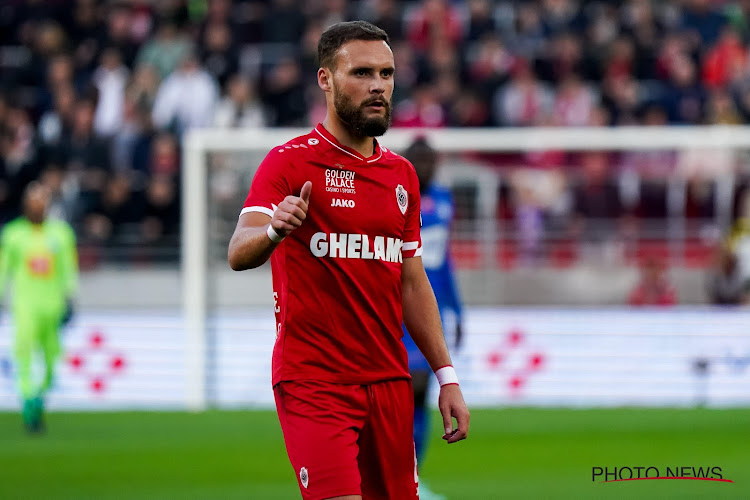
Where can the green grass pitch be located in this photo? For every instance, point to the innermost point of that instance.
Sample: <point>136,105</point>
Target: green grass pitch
<point>511,454</point>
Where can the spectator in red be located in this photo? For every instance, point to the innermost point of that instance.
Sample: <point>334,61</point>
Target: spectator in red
<point>726,61</point>
<point>674,47</point>
<point>434,20</point>
<point>421,110</point>
<point>654,288</point>
<point>621,60</point>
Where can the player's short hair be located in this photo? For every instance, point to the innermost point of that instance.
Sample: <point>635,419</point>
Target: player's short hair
<point>341,33</point>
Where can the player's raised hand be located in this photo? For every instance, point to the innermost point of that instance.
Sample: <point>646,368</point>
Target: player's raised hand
<point>291,212</point>
<point>452,405</point>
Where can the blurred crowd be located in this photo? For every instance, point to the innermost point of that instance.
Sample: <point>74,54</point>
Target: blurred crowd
<point>95,95</point>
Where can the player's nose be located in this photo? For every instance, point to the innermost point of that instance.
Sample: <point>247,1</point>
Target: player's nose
<point>377,86</point>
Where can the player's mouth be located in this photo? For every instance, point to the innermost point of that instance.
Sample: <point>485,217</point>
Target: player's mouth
<point>376,105</point>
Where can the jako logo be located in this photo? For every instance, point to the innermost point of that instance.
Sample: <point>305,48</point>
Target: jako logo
<point>338,202</point>
<point>356,246</point>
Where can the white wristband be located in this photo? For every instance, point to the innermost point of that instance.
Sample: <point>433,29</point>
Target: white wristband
<point>446,375</point>
<point>273,235</point>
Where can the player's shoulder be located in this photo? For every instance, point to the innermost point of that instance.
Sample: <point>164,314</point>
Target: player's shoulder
<point>394,159</point>
<point>301,145</point>
<point>390,155</point>
<point>13,227</point>
<point>59,225</point>
<point>60,228</point>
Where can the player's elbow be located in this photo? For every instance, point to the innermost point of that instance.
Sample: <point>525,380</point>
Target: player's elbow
<point>235,260</point>
<point>236,263</point>
<point>240,262</point>
<point>235,266</point>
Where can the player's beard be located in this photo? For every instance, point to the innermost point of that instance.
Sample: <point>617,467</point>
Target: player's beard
<point>354,116</point>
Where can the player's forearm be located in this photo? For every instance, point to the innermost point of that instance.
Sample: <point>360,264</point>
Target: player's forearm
<point>422,320</point>
<point>249,248</point>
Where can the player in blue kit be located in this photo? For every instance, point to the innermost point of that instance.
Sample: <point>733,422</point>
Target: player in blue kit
<point>437,214</point>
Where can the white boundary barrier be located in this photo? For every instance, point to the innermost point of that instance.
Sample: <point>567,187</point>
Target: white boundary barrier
<point>512,357</point>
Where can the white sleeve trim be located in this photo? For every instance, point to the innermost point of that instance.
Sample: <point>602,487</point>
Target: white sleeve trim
<point>419,251</point>
<point>410,245</point>
<point>257,208</point>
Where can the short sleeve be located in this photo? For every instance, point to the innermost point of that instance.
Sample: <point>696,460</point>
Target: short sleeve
<point>412,246</point>
<point>270,185</point>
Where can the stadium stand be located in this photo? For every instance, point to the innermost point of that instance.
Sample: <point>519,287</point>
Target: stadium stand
<point>94,101</point>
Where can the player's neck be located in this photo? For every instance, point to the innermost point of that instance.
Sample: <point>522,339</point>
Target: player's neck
<point>35,221</point>
<point>363,145</point>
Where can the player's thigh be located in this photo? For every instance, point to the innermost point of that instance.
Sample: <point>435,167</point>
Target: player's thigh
<point>25,332</point>
<point>321,423</point>
<point>387,462</point>
<point>49,329</point>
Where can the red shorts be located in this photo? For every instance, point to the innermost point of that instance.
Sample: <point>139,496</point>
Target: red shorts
<point>350,439</point>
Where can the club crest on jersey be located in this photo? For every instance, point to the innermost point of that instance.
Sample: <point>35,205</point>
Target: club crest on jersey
<point>402,198</point>
<point>303,477</point>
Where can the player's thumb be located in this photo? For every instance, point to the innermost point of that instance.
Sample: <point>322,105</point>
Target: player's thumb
<point>305,193</point>
<point>447,421</point>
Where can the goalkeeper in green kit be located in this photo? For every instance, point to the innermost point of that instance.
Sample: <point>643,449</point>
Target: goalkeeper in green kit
<point>38,257</point>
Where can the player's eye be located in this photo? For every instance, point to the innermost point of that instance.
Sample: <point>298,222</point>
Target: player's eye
<point>387,73</point>
<point>361,72</point>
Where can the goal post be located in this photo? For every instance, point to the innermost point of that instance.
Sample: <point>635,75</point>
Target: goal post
<point>198,143</point>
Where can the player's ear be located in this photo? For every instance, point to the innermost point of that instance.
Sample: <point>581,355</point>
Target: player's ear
<point>324,79</point>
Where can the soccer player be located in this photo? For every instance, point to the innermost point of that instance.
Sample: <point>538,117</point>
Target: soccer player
<point>437,214</point>
<point>38,255</point>
<point>338,216</point>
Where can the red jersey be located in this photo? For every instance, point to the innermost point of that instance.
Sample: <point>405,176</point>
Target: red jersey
<point>337,278</point>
